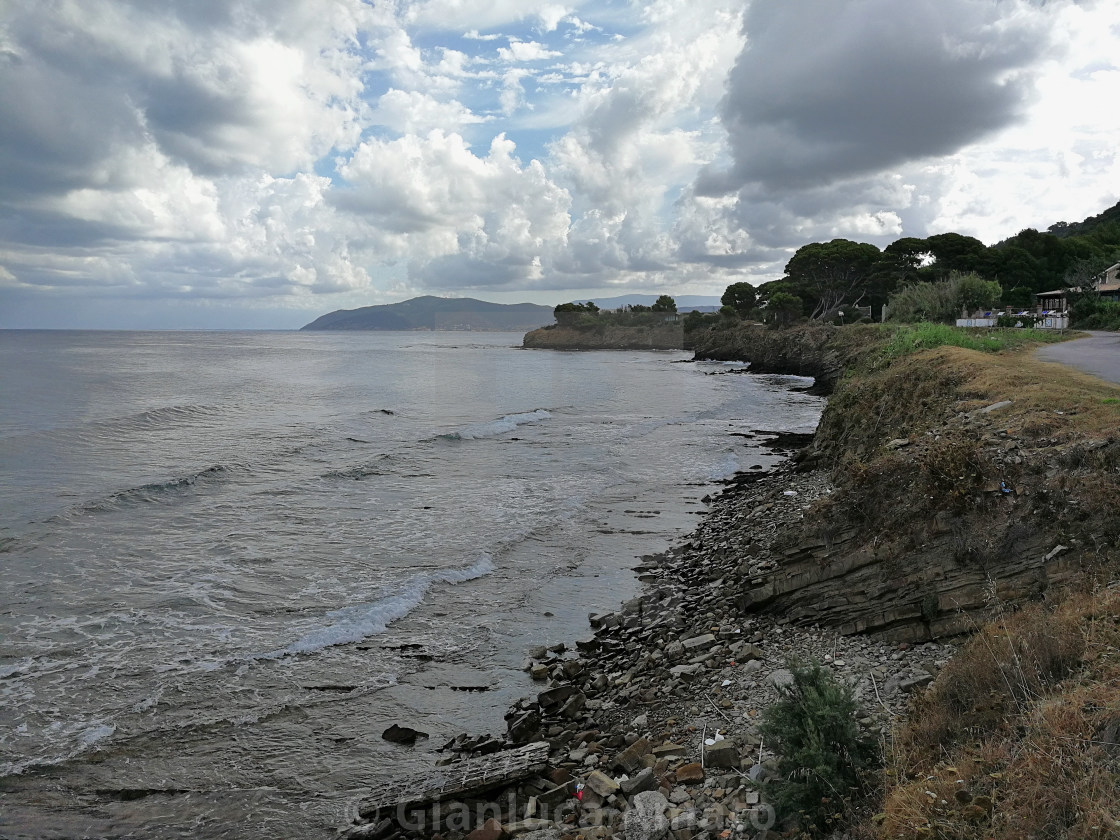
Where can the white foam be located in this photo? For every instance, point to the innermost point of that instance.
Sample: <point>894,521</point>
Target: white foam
<point>352,624</point>
<point>724,469</point>
<point>502,425</point>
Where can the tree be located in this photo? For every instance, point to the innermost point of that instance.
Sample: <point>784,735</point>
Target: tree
<point>832,273</point>
<point>571,314</point>
<point>741,297</point>
<point>954,252</point>
<point>782,309</point>
<point>665,303</point>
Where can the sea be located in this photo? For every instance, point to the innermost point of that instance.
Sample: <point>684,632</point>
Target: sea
<point>230,560</point>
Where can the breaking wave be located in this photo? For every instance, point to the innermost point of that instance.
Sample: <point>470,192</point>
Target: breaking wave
<point>352,624</point>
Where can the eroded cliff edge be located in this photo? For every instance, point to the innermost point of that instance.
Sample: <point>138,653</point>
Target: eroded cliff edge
<point>964,483</point>
<point>669,336</point>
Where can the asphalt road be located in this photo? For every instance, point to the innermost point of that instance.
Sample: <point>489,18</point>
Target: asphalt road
<point>1098,355</point>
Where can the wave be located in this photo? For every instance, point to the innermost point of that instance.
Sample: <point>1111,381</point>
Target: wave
<point>352,624</point>
<point>158,492</point>
<point>493,428</point>
<point>376,467</point>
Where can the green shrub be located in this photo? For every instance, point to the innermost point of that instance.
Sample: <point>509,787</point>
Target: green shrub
<point>943,300</point>
<point>823,752</point>
<point>1092,313</point>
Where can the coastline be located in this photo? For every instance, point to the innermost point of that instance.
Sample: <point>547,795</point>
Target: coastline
<point>627,710</point>
<point>943,488</point>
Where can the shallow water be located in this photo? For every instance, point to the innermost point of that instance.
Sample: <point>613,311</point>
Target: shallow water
<point>231,560</point>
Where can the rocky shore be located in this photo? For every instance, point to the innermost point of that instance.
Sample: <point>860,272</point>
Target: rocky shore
<point>649,727</point>
<point>942,489</point>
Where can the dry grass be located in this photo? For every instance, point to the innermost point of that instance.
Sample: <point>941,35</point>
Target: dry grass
<point>1062,425</point>
<point>1017,737</point>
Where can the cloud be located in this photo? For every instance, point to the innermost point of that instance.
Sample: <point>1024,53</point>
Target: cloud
<point>432,201</point>
<point>413,112</point>
<point>628,151</point>
<point>479,15</point>
<point>829,89</point>
<point>525,51</point>
<point>273,153</point>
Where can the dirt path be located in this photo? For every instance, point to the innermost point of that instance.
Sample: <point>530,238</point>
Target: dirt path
<point>1099,354</point>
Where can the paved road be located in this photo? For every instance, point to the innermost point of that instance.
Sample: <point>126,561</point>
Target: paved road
<point>1098,355</point>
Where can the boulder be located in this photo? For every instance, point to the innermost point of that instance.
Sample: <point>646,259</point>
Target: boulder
<point>602,784</point>
<point>630,759</point>
<point>721,754</point>
<point>640,783</point>
<point>698,643</point>
<point>646,818</point>
<point>688,773</point>
<point>402,734</point>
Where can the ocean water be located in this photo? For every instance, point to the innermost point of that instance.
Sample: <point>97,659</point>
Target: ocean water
<point>230,560</point>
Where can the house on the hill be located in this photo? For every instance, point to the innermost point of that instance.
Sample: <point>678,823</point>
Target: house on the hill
<point>1106,285</point>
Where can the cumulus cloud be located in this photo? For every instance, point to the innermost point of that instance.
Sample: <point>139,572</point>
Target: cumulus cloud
<point>828,89</point>
<point>413,112</point>
<point>432,201</point>
<point>525,51</point>
<point>266,152</point>
<point>129,130</point>
<point>628,151</point>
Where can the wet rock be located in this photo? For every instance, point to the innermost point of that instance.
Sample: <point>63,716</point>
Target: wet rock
<point>574,706</point>
<point>402,734</point>
<point>554,698</point>
<point>524,728</point>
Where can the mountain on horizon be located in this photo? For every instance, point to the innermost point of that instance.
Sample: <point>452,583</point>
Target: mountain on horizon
<point>435,313</point>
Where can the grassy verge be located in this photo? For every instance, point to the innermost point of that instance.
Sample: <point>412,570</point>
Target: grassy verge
<point>910,338</point>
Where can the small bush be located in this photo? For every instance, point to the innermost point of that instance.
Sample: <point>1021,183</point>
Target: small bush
<point>823,752</point>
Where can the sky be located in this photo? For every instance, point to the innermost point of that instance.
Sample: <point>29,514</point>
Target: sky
<point>256,163</point>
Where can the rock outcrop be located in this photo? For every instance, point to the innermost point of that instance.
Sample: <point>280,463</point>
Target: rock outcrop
<point>555,337</point>
<point>800,351</point>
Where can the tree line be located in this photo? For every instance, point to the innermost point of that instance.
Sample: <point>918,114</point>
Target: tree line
<point>826,278</point>
<point>924,278</point>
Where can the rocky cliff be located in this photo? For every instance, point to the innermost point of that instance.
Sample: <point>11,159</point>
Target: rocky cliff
<point>805,351</point>
<point>604,337</point>
<point>964,483</point>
